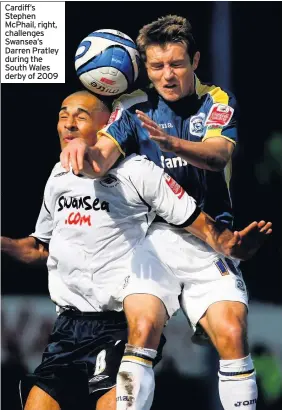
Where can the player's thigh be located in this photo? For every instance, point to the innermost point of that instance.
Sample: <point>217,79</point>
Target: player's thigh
<point>224,312</point>
<point>38,399</point>
<point>213,283</point>
<point>107,401</point>
<point>150,306</point>
<point>152,283</point>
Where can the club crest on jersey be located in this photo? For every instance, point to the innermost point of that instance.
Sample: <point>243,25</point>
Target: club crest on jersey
<point>109,181</point>
<point>196,125</point>
<point>174,186</point>
<point>219,114</point>
<point>240,285</point>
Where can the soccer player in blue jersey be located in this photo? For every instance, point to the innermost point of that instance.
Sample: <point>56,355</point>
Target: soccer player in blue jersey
<point>188,128</point>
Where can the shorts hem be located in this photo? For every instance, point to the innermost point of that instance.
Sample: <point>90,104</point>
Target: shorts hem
<point>203,311</point>
<point>170,311</point>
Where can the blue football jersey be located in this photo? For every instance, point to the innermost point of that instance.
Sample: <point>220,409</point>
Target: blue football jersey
<point>209,112</point>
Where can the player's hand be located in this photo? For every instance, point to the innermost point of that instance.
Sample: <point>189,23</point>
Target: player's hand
<point>245,243</point>
<point>77,154</point>
<point>166,142</point>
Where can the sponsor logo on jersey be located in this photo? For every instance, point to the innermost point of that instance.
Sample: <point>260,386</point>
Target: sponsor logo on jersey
<point>78,219</point>
<point>166,125</point>
<point>196,125</point>
<point>113,116</point>
<point>219,114</point>
<point>61,173</point>
<point>214,127</point>
<point>174,186</point>
<point>98,378</point>
<point>84,202</point>
<point>109,181</point>
<point>173,162</point>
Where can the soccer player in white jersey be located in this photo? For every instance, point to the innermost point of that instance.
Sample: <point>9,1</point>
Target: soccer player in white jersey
<point>191,133</point>
<point>92,228</point>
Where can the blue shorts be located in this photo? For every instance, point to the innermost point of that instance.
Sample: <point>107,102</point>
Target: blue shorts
<point>82,358</point>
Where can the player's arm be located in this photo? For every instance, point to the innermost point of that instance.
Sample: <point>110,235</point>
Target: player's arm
<point>34,249</point>
<point>240,245</point>
<point>27,250</point>
<point>93,161</point>
<point>112,142</point>
<point>169,200</point>
<point>212,154</point>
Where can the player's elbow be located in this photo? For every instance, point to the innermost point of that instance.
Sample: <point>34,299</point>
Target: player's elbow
<point>216,163</point>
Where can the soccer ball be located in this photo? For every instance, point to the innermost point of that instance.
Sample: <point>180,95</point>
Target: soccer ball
<point>107,62</point>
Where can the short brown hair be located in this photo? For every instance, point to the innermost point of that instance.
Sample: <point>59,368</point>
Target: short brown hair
<point>168,29</point>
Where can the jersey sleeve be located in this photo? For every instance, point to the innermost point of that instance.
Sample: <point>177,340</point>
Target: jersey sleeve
<point>221,116</point>
<point>44,225</point>
<point>121,127</point>
<point>163,194</point>
<point>121,132</point>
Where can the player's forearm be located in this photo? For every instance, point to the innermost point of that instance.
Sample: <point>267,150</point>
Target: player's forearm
<point>103,156</point>
<point>214,234</point>
<point>26,250</point>
<point>199,154</point>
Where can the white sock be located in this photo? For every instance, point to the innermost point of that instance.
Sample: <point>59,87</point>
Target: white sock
<point>135,380</point>
<point>237,384</point>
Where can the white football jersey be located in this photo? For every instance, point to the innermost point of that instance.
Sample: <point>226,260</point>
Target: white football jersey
<point>93,225</point>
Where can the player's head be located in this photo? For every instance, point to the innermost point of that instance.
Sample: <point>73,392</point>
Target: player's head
<point>170,55</point>
<point>82,114</point>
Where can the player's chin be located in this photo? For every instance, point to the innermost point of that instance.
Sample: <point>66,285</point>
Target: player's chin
<point>63,144</point>
<point>171,94</point>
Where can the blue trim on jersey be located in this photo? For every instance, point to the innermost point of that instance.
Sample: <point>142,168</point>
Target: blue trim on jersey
<point>115,38</point>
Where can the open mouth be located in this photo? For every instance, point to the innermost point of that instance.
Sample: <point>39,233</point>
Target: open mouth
<point>170,86</point>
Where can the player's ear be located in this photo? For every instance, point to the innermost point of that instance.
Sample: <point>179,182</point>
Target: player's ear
<point>196,60</point>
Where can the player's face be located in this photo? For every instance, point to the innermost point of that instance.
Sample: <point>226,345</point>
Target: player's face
<point>170,70</point>
<point>80,117</point>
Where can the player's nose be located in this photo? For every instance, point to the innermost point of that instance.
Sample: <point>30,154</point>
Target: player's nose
<point>70,123</point>
<point>168,73</point>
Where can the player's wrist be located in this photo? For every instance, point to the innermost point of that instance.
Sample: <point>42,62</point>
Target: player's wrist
<point>175,144</point>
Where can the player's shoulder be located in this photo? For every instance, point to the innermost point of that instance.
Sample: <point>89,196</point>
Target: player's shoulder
<point>58,170</point>
<point>132,161</point>
<point>136,166</point>
<point>214,94</point>
<point>126,101</point>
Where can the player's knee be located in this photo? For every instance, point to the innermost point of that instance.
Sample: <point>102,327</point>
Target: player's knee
<point>231,337</point>
<point>145,332</point>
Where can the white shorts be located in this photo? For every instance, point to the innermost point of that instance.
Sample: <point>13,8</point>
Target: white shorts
<point>183,271</point>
